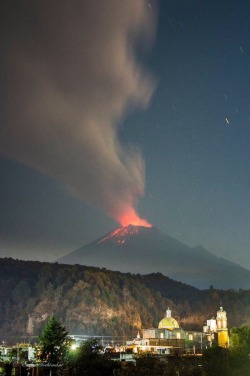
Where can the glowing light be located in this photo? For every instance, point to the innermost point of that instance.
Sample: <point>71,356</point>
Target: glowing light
<point>118,235</point>
<point>130,226</point>
<point>130,217</point>
<point>121,234</point>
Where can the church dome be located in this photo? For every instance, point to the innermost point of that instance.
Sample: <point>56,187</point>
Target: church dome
<point>168,322</point>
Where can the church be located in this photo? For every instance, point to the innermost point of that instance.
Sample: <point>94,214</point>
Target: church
<point>216,329</point>
<point>169,338</point>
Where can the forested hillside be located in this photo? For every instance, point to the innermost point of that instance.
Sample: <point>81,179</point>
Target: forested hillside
<point>100,302</point>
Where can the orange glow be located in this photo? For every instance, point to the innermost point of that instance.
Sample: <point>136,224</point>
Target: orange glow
<point>121,234</point>
<point>132,218</point>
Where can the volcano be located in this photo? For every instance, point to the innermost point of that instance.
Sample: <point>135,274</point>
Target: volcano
<point>145,250</point>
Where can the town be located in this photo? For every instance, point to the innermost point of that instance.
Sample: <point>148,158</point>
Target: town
<point>173,348</point>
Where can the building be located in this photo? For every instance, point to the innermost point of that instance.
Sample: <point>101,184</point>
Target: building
<point>216,329</point>
<point>168,322</point>
<point>169,338</point>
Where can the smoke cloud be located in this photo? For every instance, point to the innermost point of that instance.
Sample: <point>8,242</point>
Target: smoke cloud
<point>70,75</point>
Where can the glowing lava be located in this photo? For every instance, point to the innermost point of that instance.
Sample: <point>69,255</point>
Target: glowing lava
<point>132,218</point>
<point>121,234</point>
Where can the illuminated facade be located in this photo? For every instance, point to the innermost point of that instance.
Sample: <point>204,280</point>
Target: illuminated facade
<point>221,320</point>
<point>216,329</point>
<point>169,338</point>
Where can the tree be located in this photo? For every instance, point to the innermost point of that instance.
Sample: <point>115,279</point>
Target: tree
<point>215,361</point>
<point>240,339</point>
<point>240,349</point>
<point>148,365</point>
<point>8,368</point>
<point>53,342</point>
<point>89,360</point>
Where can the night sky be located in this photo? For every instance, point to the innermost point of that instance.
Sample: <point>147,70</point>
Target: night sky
<point>110,106</point>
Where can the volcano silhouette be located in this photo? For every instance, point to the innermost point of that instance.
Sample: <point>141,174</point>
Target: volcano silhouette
<point>145,250</point>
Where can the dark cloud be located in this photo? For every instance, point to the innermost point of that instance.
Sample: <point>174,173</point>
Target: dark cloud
<point>71,74</point>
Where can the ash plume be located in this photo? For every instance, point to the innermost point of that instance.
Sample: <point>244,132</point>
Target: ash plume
<point>70,76</point>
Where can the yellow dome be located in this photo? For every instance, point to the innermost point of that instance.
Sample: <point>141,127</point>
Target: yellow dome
<point>168,322</point>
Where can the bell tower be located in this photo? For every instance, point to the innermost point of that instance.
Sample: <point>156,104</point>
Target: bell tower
<point>222,330</point>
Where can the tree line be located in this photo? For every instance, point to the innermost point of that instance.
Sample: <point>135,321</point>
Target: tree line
<point>96,301</point>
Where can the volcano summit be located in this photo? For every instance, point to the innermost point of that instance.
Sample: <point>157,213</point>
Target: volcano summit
<point>144,250</point>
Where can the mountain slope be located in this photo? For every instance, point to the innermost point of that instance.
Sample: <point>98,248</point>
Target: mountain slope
<point>93,301</point>
<point>87,300</point>
<point>144,250</point>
